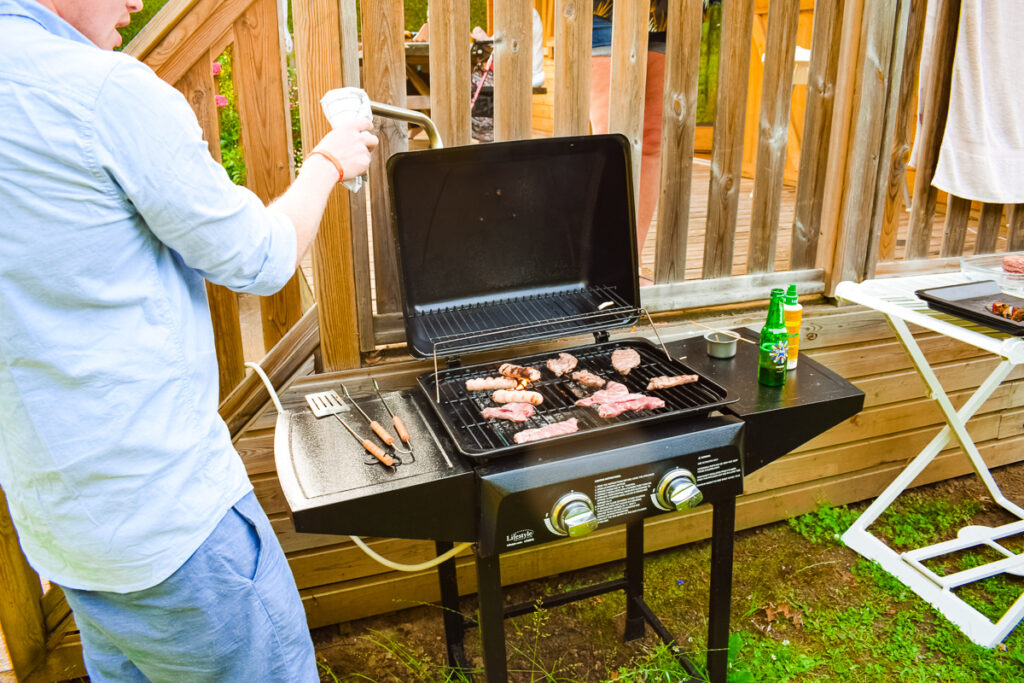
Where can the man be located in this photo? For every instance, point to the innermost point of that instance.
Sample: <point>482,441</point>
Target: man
<point>119,475</point>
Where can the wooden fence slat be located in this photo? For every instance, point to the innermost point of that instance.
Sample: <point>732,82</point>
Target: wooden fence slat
<point>933,123</point>
<point>958,210</point>
<point>1015,229</point>
<point>628,80</point>
<point>727,149</point>
<point>348,19</point>
<point>261,86</point>
<point>22,624</point>
<point>821,90</point>
<point>776,95</point>
<point>204,25</point>
<point>384,71</point>
<point>449,66</point>
<point>901,138</point>
<point>574,22</point>
<point>513,69</point>
<point>988,228</point>
<point>198,87</point>
<point>678,125</point>
<point>317,26</point>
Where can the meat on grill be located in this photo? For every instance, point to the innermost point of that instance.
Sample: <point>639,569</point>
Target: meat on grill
<point>624,360</point>
<point>504,396</point>
<point>490,383</point>
<point>666,382</point>
<point>614,391</point>
<point>616,408</point>
<point>513,412</point>
<point>1013,263</point>
<point>588,379</point>
<point>547,431</point>
<point>563,364</point>
<point>519,372</point>
<point>1014,313</point>
<point>616,399</point>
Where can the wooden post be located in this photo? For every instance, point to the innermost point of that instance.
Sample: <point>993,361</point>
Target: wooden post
<point>262,89</point>
<point>901,139</point>
<point>879,66</point>
<point>678,124</point>
<point>348,19</point>
<point>821,92</point>
<point>198,87</point>
<point>513,69</point>
<point>628,79</point>
<point>988,228</point>
<point>21,616</point>
<point>958,210</point>
<point>318,64</point>
<point>934,111</point>
<point>776,95</point>
<point>449,70</point>
<point>384,70</point>
<point>1015,223</point>
<point>574,23</point>
<point>727,149</point>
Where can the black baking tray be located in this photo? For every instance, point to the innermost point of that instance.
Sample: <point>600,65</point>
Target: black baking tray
<point>971,300</point>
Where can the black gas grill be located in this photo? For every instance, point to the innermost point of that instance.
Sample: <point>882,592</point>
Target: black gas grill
<point>518,243</point>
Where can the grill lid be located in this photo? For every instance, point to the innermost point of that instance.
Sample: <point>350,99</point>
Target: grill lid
<point>507,242</point>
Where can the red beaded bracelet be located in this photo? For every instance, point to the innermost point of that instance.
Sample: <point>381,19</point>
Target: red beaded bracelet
<point>331,158</point>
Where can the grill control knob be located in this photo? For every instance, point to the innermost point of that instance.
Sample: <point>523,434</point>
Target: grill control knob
<point>678,490</point>
<point>573,515</point>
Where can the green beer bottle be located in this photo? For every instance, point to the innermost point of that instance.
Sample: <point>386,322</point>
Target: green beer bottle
<point>774,349</point>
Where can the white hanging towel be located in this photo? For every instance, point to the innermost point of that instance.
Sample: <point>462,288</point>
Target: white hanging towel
<point>982,154</point>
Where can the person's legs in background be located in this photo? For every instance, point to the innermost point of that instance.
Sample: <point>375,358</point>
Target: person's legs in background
<point>650,168</point>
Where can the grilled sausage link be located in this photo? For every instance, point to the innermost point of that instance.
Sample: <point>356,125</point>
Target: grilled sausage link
<point>510,370</point>
<point>490,383</point>
<point>504,396</point>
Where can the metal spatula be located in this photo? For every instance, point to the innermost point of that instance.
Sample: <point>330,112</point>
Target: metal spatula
<point>324,403</point>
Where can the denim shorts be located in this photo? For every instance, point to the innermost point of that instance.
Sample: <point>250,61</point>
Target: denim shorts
<point>230,613</point>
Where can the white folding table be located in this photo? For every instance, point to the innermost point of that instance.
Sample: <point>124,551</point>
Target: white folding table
<point>895,299</point>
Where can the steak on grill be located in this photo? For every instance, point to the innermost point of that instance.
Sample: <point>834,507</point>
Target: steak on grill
<point>588,379</point>
<point>663,382</point>
<point>624,360</point>
<point>563,364</point>
<point>615,408</point>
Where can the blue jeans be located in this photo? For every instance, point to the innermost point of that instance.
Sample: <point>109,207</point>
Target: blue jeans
<point>230,613</point>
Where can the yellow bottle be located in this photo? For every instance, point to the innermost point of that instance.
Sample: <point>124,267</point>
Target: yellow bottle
<point>793,313</point>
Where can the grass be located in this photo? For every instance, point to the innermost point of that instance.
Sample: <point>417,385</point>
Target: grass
<point>805,608</point>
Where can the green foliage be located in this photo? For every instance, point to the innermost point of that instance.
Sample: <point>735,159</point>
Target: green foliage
<point>915,520</point>
<point>232,154</point>
<point>824,525</point>
<point>753,659</point>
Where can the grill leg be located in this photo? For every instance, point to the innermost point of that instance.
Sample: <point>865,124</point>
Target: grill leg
<point>454,626</point>
<point>492,618</point>
<point>635,622</point>
<point>723,524</point>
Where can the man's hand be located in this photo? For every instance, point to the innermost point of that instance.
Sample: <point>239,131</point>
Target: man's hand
<point>350,143</point>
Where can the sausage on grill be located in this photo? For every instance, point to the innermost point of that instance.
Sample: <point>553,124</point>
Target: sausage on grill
<point>518,371</point>
<point>504,396</point>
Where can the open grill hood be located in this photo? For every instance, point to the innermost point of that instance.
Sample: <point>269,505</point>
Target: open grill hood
<point>507,242</point>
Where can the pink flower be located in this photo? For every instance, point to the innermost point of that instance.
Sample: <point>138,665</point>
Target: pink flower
<point>221,101</point>
<point>216,68</point>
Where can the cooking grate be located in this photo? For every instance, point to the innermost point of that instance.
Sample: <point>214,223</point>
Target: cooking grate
<point>507,320</point>
<point>460,410</point>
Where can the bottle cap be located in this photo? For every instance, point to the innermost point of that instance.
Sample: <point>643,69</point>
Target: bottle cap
<point>791,297</point>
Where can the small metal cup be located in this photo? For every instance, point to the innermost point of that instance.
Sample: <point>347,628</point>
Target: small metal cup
<point>720,345</point>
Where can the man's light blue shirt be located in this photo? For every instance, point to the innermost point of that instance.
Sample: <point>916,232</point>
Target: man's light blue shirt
<point>114,461</point>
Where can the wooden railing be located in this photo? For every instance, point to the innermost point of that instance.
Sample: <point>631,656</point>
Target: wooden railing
<point>856,113</point>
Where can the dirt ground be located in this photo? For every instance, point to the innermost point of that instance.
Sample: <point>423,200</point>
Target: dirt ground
<point>582,641</point>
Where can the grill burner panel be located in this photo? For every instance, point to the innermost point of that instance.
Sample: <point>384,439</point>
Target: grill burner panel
<point>460,410</point>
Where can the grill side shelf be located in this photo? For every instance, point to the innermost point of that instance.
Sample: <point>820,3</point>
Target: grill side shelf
<point>460,410</point>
